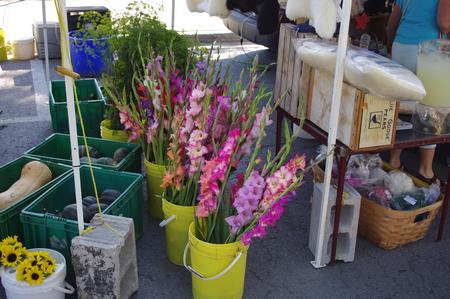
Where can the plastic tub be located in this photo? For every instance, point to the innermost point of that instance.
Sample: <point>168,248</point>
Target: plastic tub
<point>218,270</point>
<point>89,56</point>
<point>176,223</point>
<point>9,173</point>
<point>53,287</point>
<point>23,48</point>
<point>56,148</point>
<point>92,104</point>
<point>43,227</point>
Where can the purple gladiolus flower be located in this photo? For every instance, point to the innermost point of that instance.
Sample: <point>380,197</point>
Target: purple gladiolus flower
<point>267,220</point>
<point>246,202</point>
<point>200,66</point>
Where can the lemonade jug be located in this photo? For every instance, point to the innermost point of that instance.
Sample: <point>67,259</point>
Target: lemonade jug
<point>433,69</point>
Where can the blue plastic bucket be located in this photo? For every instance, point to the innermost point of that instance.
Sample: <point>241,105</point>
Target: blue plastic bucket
<point>89,56</point>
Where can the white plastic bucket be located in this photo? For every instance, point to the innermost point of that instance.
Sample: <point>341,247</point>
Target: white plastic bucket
<point>53,287</point>
<point>23,48</point>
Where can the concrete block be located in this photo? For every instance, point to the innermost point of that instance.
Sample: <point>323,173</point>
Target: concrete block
<point>348,226</point>
<point>105,263</point>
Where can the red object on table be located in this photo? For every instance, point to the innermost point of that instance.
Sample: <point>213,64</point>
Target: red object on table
<point>362,21</point>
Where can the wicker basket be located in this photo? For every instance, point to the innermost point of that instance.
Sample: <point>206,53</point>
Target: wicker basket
<point>389,228</point>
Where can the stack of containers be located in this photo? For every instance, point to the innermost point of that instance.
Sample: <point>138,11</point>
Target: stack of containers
<point>91,101</point>
<point>41,215</point>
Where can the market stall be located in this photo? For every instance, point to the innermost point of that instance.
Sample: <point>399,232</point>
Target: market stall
<point>366,123</point>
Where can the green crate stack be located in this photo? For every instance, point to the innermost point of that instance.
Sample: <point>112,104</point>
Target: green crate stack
<point>56,148</point>
<point>91,101</point>
<point>10,217</point>
<point>43,228</point>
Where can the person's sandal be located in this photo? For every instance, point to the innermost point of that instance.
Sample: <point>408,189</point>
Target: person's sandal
<point>429,181</point>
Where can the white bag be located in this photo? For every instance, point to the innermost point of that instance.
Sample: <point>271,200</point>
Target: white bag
<point>363,69</point>
<point>381,76</point>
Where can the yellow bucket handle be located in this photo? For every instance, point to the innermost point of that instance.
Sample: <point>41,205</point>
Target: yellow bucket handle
<point>167,221</point>
<point>203,277</point>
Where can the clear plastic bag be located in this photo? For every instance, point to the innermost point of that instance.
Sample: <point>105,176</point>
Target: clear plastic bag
<point>381,76</point>
<point>363,69</point>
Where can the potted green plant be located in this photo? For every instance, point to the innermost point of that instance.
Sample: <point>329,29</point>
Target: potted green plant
<point>89,45</point>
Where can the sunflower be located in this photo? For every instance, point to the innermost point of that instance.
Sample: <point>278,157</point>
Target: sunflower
<point>11,256</point>
<point>34,276</point>
<point>43,254</point>
<point>34,258</point>
<point>48,266</point>
<point>22,270</point>
<point>11,241</point>
<point>1,251</point>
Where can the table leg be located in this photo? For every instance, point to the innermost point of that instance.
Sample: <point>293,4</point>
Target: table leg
<point>444,209</point>
<point>279,128</point>
<point>339,199</point>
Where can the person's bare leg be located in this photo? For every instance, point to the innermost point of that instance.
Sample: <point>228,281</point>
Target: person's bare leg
<point>426,162</point>
<point>394,158</point>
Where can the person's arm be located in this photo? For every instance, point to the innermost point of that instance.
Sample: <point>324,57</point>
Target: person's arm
<point>443,16</point>
<point>392,25</point>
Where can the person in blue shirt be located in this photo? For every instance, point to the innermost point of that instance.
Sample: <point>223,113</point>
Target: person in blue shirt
<point>411,23</point>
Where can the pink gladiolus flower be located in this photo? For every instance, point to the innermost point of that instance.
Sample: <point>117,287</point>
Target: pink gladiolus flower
<point>246,202</point>
<point>125,119</point>
<point>255,131</point>
<point>213,172</point>
<point>198,92</point>
<point>280,180</point>
<point>224,102</point>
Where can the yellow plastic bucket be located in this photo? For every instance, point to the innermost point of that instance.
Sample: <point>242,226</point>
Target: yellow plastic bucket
<point>155,174</point>
<point>218,270</point>
<point>3,52</point>
<point>177,221</point>
<point>114,135</point>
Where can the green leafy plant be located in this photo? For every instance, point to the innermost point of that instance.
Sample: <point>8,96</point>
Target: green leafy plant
<point>97,28</point>
<point>137,32</point>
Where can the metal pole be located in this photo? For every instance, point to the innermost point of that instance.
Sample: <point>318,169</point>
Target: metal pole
<point>69,81</point>
<point>333,125</point>
<point>44,21</point>
<point>173,15</point>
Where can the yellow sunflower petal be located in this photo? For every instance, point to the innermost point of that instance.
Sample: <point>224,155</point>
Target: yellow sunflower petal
<point>11,257</point>
<point>22,270</point>
<point>34,276</point>
<point>10,240</point>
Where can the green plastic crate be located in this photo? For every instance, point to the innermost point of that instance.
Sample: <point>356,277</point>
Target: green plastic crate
<point>92,104</point>
<point>43,229</point>
<point>9,173</point>
<point>56,148</point>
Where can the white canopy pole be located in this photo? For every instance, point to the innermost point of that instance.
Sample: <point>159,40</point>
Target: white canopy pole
<point>333,126</point>
<point>44,21</point>
<point>172,24</point>
<point>71,114</point>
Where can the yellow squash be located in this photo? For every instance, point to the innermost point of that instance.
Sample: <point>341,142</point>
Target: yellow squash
<point>34,175</point>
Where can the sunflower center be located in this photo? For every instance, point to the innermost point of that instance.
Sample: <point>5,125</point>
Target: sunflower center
<point>35,276</point>
<point>33,263</point>
<point>12,257</point>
